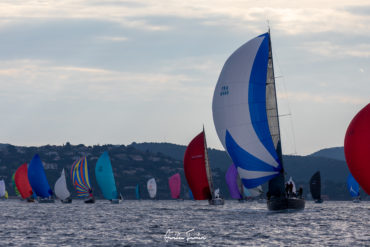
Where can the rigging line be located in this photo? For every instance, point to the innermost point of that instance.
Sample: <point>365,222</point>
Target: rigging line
<point>287,99</point>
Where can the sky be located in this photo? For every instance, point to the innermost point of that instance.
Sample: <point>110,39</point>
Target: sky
<point>117,72</point>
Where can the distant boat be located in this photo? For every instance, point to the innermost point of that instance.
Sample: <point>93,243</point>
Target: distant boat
<point>315,187</point>
<point>353,188</point>
<point>3,191</point>
<point>175,185</point>
<point>198,172</point>
<point>137,192</point>
<point>38,181</point>
<point>232,183</point>
<point>105,178</point>
<point>246,118</point>
<point>152,188</point>
<point>23,184</point>
<point>15,186</point>
<point>81,181</point>
<point>61,190</point>
<point>357,147</point>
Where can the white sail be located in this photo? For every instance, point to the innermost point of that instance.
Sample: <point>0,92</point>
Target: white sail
<point>152,187</point>
<point>2,188</point>
<point>291,181</point>
<point>241,112</point>
<point>60,188</point>
<point>256,191</point>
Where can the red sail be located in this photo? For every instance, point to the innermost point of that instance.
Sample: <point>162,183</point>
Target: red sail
<point>357,148</point>
<point>195,168</point>
<point>21,181</point>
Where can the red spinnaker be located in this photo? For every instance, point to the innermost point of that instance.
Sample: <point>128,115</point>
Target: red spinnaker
<point>175,185</point>
<point>22,183</point>
<point>195,168</point>
<point>357,148</point>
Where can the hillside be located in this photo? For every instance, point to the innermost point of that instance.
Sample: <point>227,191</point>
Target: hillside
<point>332,153</point>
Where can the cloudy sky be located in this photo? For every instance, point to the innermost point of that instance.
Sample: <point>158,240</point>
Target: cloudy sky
<point>99,72</point>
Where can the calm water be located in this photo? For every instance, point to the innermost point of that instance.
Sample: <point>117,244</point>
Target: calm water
<point>138,223</point>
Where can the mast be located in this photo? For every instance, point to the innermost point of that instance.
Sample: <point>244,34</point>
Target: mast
<point>208,168</point>
<point>277,184</point>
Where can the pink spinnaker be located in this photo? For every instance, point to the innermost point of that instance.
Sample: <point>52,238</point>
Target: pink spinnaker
<point>175,185</point>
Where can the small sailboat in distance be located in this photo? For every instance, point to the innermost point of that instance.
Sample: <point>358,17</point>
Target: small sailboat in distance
<point>81,181</point>
<point>61,190</point>
<point>353,188</point>
<point>152,188</point>
<point>175,185</point>
<point>38,181</point>
<point>198,172</point>
<point>315,187</point>
<point>137,192</point>
<point>2,189</point>
<point>245,114</point>
<point>22,183</point>
<point>15,186</point>
<point>105,178</point>
<point>232,183</point>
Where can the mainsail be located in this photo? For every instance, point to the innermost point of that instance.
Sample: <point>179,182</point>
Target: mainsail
<point>22,183</point>
<point>232,182</point>
<point>37,178</point>
<point>315,186</point>
<point>195,169</point>
<point>152,187</point>
<point>60,188</point>
<point>175,185</point>
<point>105,177</point>
<point>80,177</point>
<point>246,117</point>
<point>353,186</point>
<point>2,188</point>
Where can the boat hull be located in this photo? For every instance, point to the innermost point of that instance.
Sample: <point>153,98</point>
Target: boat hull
<point>46,200</point>
<point>319,201</point>
<point>90,200</point>
<point>216,201</point>
<point>115,201</point>
<point>277,204</point>
<point>68,200</point>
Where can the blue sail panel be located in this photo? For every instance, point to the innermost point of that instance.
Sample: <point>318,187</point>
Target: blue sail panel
<point>353,186</point>
<point>37,178</point>
<point>105,178</point>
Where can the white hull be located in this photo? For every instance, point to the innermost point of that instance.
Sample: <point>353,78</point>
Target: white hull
<point>216,201</point>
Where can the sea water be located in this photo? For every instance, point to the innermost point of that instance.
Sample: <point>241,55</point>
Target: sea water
<point>172,223</point>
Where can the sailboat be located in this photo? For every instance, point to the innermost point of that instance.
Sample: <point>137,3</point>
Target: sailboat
<point>81,181</point>
<point>105,178</point>
<point>315,187</point>
<point>198,172</point>
<point>38,181</point>
<point>15,186</point>
<point>175,185</point>
<point>232,183</point>
<point>357,147</point>
<point>353,188</point>
<point>246,118</point>
<point>191,197</point>
<point>152,188</point>
<point>23,184</point>
<point>61,190</point>
<point>3,191</point>
<point>137,192</point>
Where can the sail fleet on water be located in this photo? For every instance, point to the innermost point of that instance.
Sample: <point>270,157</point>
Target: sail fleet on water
<point>245,114</point>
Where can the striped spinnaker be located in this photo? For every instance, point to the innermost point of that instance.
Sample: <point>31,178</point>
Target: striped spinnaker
<point>80,177</point>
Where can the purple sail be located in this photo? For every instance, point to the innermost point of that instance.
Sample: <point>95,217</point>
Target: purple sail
<point>232,182</point>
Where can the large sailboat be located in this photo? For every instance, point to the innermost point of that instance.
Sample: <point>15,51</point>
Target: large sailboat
<point>198,172</point>
<point>81,181</point>
<point>315,187</point>
<point>61,189</point>
<point>246,118</point>
<point>38,181</point>
<point>105,178</point>
<point>23,184</point>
